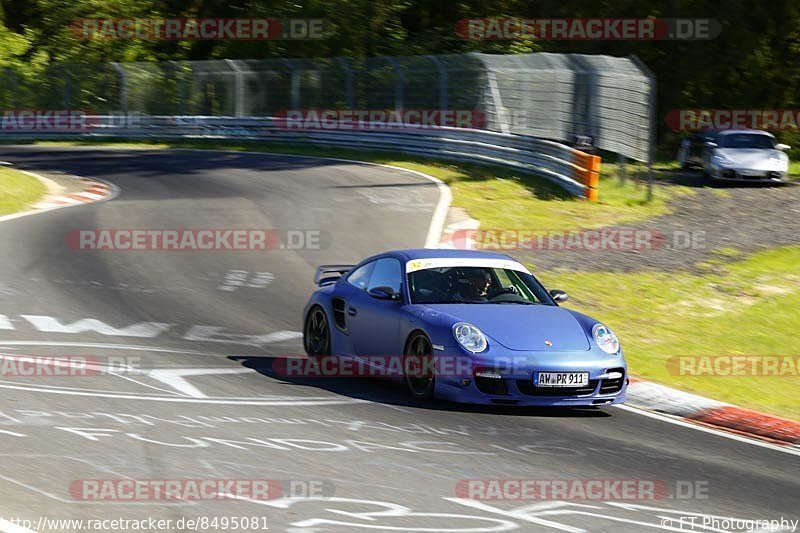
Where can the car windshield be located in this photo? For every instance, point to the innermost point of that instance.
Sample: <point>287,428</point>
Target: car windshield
<point>747,140</point>
<point>477,285</point>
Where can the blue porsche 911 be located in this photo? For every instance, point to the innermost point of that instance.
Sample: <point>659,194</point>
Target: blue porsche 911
<point>467,326</point>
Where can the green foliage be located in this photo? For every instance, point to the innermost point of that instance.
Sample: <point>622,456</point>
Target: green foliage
<point>752,64</point>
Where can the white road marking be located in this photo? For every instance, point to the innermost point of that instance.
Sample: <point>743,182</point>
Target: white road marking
<point>372,519</point>
<point>50,324</point>
<point>292,401</point>
<point>436,228</point>
<point>792,450</point>
<point>106,345</point>
<point>128,378</point>
<point>74,389</point>
<point>518,514</point>
<point>236,279</point>
<point>174,377</point>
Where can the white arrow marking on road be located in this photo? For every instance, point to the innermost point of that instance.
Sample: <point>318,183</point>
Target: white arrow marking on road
<point>174,377</point>
<point>52,325</point>
<point>5,323</point>
<point>519,514</point>
<point>6,344</point>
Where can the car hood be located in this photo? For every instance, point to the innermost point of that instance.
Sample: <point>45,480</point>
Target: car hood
<point>521,327</point>
<point>751,157</point>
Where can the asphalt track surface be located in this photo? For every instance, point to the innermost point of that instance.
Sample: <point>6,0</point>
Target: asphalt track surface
<point>207,408</point>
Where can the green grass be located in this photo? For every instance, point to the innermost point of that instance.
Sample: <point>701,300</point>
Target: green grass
<point>526,201</point>
<point>794,170</point>
<point>521,203</point>
<point>18,191</point>
<point>745,308</point>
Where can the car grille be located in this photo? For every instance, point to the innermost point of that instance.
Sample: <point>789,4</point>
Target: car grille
<point>754,177</point>
<point>610,386</point>
<point>750,176</point>
<point>527,387</point>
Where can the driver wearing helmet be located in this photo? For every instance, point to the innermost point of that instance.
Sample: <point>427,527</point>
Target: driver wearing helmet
<point>475,284</point>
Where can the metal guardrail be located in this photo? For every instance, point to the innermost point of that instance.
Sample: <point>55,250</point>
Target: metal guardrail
<point>609,100</point>
<point>561,164</point>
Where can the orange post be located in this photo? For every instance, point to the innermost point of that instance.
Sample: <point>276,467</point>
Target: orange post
<point>588,173</point>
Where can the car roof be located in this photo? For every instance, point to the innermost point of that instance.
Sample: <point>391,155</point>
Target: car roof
<point>435,253</point>
<point>755,132</point>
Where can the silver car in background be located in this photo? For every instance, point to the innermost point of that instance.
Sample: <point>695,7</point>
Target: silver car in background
<point>745,155</point>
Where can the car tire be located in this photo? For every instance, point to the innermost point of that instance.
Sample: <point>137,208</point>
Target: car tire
<point>418,359</point>
<point>317,333</point>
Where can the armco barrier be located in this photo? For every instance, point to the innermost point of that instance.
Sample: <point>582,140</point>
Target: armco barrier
<point>573,170</point>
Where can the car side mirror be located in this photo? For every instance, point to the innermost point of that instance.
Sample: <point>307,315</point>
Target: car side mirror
<point>781,146</point>
<point>559,296</point>
<point>710,144</point>
<point>384,293</point>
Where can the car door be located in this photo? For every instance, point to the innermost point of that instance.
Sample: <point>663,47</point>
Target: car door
<point>376,322</point>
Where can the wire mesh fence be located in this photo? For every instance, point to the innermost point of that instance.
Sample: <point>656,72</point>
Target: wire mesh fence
<point>560,97</point>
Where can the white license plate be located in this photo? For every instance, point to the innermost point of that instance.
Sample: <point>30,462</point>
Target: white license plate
<point>563,379</point>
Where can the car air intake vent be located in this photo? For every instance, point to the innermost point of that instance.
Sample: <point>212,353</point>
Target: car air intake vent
<point>610,386</point>
<point>339,315</point>
<point>491,386</point>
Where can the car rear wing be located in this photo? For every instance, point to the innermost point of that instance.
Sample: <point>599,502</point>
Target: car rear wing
<point>330,273</point>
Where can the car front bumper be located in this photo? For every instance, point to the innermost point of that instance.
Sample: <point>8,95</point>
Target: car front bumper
<point>746,174</point>
<point>515,382</point>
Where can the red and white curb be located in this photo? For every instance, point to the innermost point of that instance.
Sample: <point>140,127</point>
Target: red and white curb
<point>93,191</point>
<point>456,233</point>
<point>711,413</point>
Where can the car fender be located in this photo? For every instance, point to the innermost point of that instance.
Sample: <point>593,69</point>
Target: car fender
<point>340,341</point>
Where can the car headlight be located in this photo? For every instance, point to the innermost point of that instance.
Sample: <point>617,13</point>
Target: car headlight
<point>469,337</point>
<point>605,339</point>
<point>779,161</point>
<point>721,160</point>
